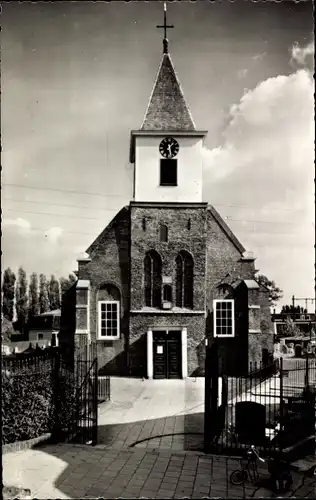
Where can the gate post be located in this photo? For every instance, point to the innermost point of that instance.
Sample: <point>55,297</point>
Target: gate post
<point>306,374</point>
<point>211,395</point>
<point>281,403</point>
<point>95,404</point>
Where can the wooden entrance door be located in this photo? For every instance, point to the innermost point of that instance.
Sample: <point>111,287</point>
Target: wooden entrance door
<point>167,354</point>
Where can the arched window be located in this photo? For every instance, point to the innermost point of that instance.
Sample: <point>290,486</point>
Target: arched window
<point>167,293</point>
<point>152,272</point>
<point>184,280</point>
<point>163,233</point>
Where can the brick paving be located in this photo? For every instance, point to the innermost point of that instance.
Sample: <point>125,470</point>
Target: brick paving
<point>153,413</point>
<point>70,471</point>
<point>163,423</point>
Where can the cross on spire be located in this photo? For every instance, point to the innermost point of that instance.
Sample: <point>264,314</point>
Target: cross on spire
<point>165,26</point>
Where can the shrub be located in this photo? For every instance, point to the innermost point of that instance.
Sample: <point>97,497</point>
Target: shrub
<point>36,400</point>
<point>27,408</point>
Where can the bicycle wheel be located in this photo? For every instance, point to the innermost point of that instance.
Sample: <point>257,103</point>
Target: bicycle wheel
<point>238,477</point>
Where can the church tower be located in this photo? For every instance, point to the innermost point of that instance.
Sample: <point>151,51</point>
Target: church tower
<point>168,231</point>
<point>167,150</point>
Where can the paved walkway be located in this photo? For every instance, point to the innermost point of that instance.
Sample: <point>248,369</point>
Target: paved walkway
<point>165,414</point>
<point>68,471</point>
<point>146,434</point>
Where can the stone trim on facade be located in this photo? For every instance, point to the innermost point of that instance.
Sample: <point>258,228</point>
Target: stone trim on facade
<point>184,349</point>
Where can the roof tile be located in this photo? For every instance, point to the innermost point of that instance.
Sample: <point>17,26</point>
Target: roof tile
<point>167,108</point>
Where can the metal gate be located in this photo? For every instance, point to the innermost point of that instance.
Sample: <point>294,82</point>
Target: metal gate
<point>272,407</point>
<point>76,397</point>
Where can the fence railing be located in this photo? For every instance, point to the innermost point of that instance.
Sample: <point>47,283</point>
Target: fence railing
<point>75,388</point>
<point>104,389</point>
<point>272,407</point>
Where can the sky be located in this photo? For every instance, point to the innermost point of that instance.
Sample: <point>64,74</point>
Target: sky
<point>76,79</point>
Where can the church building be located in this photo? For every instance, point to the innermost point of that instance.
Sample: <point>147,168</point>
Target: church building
<point>167,276</point>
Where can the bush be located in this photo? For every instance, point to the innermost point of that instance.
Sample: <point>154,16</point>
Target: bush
<point>27,405</point>
<point>37,400</point>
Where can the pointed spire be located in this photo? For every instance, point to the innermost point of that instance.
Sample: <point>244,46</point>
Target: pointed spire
<point>167,108</point>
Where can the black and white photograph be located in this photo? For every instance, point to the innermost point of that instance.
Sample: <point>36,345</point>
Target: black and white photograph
<point>158,284</point>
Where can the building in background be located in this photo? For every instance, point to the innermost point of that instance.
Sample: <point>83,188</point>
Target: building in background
<point>45,327</point>
<point>303,321</point>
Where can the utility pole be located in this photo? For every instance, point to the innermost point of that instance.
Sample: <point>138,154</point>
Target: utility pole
<point>306,300</point>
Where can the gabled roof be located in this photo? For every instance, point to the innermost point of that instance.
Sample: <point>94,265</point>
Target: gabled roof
<point>167,108</point>
<point>226,229</point>
<point>120,218</point>
<point>251,284</point>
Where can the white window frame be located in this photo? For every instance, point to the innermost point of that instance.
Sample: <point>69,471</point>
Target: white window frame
<point>232,302</point>
<point>110,337</point>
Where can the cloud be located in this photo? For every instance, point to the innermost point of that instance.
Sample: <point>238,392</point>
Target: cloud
<point>258,57</point>
<point>54,234</point>
<point>303,56</point>
<point>19,223</point>
<point>268,142</point>
<point>242,73</point>
<point>264,171</point>
<point>35,249</point>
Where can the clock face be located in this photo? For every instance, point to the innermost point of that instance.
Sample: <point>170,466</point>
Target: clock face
<point>169,147</point>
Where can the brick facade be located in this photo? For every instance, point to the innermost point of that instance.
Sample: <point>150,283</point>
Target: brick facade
<point>180,238</point>
<point>116,266</point>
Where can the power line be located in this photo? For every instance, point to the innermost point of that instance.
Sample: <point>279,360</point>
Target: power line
<point>44,231</point>
<point>58,204</point>
<point>263,221</point>
<point>95,218</point>
<point>63,190</point>
<point>263,232</point>
<point>115,210</point>
<point>51,213</point>
<point>73,191</point>
<point>250,207</point>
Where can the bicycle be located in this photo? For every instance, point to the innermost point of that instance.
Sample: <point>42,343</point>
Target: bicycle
<point>279,470</point>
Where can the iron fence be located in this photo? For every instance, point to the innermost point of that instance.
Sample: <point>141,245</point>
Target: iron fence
<point>272,407</point>
<point>104,389</point>
<point>75,386</point>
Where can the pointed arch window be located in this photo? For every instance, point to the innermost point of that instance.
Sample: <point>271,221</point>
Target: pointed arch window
<point>184,280</point>
<point>153,280</point>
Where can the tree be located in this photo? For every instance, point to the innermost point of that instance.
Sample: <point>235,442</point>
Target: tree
<point>8,293</point>
<point>33,296</point>
<point>275,293</point>
<point>43,294</point>
<point>7,330</point>
<point>290,329</point>
<point>291,309</point>
<point>54,293</point>
<point>66,283</point>
<point>21,303</point>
